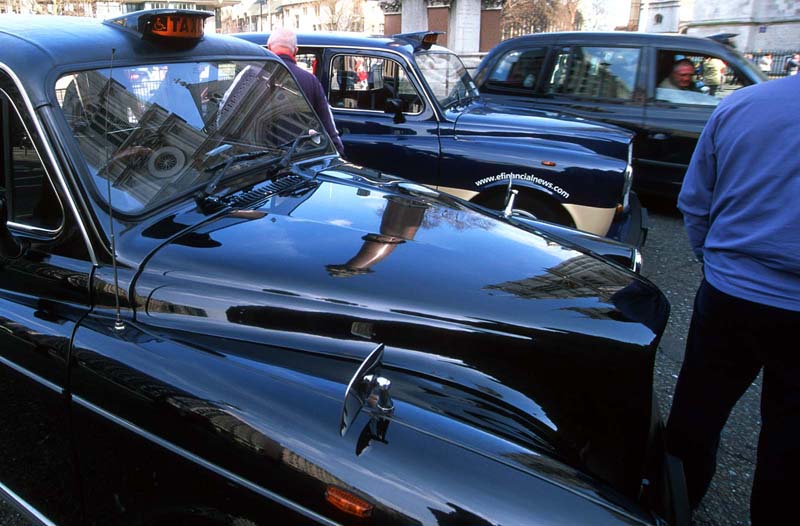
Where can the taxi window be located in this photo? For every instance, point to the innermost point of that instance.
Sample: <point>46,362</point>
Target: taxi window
<point>518,69</point>
<point>365,83</point>
<point>31,198</point>
<point>596,72</point>
<point>157,131</point>
<point>307,61</point>
<point>685,77</point>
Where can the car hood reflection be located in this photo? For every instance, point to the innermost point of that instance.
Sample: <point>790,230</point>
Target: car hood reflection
<point>403,253</point>
<point>330,268</point>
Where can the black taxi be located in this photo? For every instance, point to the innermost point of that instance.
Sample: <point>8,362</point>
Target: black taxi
<point>208,318</point>
<point>623,79</point>
<point>407,105</point>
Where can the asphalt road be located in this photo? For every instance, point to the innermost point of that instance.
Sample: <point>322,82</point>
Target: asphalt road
<point>669,263</point>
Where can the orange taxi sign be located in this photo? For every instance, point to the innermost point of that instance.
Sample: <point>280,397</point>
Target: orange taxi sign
<point>168,27</point>
<point>178,25</point>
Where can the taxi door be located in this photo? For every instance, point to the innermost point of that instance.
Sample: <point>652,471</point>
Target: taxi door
<point>380,109</point>
<point>45,265</point>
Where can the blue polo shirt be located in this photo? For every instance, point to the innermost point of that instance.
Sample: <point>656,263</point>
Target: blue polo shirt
<point>741,195</point>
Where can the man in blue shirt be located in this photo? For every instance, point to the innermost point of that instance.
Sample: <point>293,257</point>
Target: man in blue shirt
<point>283,42</point>
<point>742,215</point>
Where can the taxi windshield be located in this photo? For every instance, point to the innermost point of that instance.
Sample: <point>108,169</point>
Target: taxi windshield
<point>447,77</point>
<point>158,131</point>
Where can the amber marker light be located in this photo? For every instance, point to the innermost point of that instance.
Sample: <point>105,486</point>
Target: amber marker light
<point>548,163</point>
<point>347,502</point>
<point>430,39</point>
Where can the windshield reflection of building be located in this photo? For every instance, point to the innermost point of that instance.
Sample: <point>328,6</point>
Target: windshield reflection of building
<point>146,145</point>
<point>400,222</point>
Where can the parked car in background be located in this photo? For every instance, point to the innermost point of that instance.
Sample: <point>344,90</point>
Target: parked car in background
<point>618,78</point>
<point>406,105</point>
<point>209,319</point>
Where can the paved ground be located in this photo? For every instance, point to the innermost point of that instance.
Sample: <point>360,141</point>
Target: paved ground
<point>670,265</point>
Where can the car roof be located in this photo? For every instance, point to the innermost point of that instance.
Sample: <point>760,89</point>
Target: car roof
<point>38,44</point>
<point>344,39</point>
<point>621,37</point>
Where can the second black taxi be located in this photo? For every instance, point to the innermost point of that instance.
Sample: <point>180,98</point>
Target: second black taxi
<point>408,106</point>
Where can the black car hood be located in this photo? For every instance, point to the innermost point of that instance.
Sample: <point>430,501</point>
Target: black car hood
<point>480,118</point>
<point>502,329</point>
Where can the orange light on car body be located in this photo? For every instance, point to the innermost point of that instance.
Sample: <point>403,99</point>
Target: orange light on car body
<point>347,502</point>
<point>548,163</point>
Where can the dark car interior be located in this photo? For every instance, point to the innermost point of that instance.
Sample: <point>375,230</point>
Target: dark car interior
<point>367,83</point>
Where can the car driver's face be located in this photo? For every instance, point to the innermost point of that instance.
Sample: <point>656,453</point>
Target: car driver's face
<point>682,76</point>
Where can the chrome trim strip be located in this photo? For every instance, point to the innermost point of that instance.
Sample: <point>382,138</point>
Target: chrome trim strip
<point>23,226</point>
<point>236,479</point>
<point>392,52</point>
<point>33,376</point>
<point>35,229</point>
<point>52,157</point>
<point>28,510</point>
<point>637,261</point>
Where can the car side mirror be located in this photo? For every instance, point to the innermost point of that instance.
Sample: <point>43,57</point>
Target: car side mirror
<point>9,246</point>
<point>395,106</point>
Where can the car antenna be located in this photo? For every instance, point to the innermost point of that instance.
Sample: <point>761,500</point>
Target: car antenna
<point>118,324</point>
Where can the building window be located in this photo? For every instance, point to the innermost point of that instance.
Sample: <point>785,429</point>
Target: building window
<point>297,21</point>
<point>658,19</point>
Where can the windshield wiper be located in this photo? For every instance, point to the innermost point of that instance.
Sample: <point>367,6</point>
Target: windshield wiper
<point>204,198</point>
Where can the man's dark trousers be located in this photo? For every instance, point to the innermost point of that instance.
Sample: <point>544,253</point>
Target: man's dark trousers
<point>730,340</point>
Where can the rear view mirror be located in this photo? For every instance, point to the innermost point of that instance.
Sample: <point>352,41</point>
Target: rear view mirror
<point>395,106</point>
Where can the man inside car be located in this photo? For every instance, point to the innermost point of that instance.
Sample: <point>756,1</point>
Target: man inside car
<point>681,76</point>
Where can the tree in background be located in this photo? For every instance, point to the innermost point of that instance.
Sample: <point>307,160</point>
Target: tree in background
<point>342,15</point>
<point>522,17</point>
<point>52,7</point>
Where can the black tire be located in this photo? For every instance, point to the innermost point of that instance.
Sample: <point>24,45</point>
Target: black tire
<point>542,208</point>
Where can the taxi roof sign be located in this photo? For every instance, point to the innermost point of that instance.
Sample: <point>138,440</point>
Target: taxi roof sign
<point>165,25</point>
<point>421,39</point>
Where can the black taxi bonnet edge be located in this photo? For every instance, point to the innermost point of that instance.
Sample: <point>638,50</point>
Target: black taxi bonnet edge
<point>486,371</point>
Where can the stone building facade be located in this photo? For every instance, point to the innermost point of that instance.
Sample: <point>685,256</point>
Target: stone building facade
<point>760,24</point>
<point>664,16</point>
<point>471,26</point>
